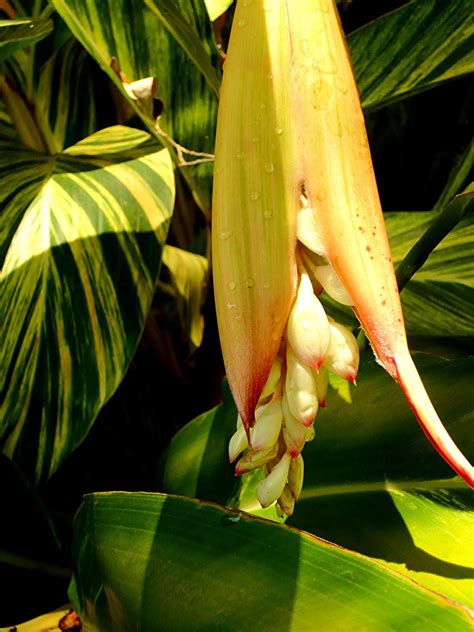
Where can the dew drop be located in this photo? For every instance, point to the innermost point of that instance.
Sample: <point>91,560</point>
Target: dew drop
<point>279,131</point>
<point>255,139</point>
<point>269,168</point>
<point>242,22</point>
<point>231,306</point>
<point>263,106</point>
<point>232,285</point>
<point>240,155</point>
<point>250,282</point>
<point>246,3</point>
<point>267,214</point>
<point>225,234</point>
<point>254,195</point>
<point>266,285</point>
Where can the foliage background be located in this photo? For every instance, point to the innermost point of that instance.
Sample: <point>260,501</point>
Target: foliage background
<point>415,144</point>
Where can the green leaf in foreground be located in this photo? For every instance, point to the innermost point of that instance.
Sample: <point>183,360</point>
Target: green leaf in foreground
<point>81,240</point>
<point>373,483</point>
<point>17,34</point>
<point>156,562</point>
<point>412,49</point>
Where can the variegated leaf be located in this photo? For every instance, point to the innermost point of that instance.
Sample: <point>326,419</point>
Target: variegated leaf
<point>144,47</point>
<point>17,34</point>
<point>412,49</point>
<point>184,277</point>
<point>82,235</point>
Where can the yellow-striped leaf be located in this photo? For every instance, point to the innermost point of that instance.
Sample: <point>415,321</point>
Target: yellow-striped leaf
<point>144,47</point>
<point>415,48</point>
<point>17,34</point>
<point>81,235</point>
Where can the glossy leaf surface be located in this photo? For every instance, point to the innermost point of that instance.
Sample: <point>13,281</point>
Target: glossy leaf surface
<point>368,467</point>
<point>17,34</point>
<point>82,234</point>
<point>412,49</point>
<point>156,562</point>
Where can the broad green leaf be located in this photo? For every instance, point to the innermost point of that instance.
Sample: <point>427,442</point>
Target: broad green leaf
<point>81,237</point>
<point>184,276</point>
<point>187,37</point>
<point>412,49</point>
<point>65,99</point>
<point>144,48</point>
<point>216,8</point>
<point>156,562</point>
<point>17,34</point>
<point>372,483</point>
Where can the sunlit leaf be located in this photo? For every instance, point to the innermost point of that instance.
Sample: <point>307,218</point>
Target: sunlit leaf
<point>156,562</point>
<point>412,49</point>
<point>81,236</point>
<point>372,483</point>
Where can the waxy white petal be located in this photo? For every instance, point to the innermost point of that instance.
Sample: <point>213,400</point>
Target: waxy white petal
<point>273,485</point>
<point>296,476</point>
<point>268,420</point>
<point>308,327</point>
<point>343,353</point>
<point>300,389</point>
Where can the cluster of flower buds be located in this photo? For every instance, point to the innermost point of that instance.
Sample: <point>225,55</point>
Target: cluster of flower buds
<point>296,388</point>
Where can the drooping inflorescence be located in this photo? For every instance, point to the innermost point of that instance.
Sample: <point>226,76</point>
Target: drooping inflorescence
<point>313,345</point>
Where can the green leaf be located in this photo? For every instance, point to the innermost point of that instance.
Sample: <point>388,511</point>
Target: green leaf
<point>65,99</point>
<point>216,8</point>
<point>187,38</point>
<point>439,299</point>
<point>184,276</point>
<point>145,48</point>
<point>412,49</point>
<point>373,483</point>
<point>155,562</point>
<point>81,237</point>
<point>17,34</point>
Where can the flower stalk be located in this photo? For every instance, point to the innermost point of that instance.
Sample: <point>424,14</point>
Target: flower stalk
<point>296,212</point>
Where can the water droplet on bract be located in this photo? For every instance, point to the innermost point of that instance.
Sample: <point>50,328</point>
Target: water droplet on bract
<point>246,3</point>
<point>232,285</point>
<point>279,130</point>
<point>225,234</point>
<point>267,214</point>
<point>269,168</point>
<point>255,139</point>
<point>231,306</point>
<point>254,195</point>
<point>250,282</point>
<point>263,106</point>
<point>242,22</point>
<point>266,285</point>
<point>240,155</point>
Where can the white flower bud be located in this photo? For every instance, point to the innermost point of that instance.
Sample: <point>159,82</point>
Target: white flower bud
<point>321,378</point>
<point>294,432</point>
<point>255,459</point>
<point>307,231</point>
<point>273,485</point>
<point>326,275</point>
<point>273,379</point>
<point>237,443</point>
<point>286,502</point>
<point>308,327</point>
<point>343,353</point>
<point>268,420</point>
<point>300,389</point>
<point>295,476</point>
<point>310,433</point>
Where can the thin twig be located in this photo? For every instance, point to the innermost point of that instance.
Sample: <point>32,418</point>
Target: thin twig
<point>180,150</point>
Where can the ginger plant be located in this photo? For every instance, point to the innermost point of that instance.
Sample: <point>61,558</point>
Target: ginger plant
<point>296,211</point>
